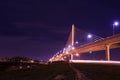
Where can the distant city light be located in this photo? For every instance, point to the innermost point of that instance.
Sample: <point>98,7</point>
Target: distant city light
<point>32,61</point>
<point>89,36</point>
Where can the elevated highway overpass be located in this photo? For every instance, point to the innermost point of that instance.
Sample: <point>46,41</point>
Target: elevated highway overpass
<point>103,44</point>
<point>98,45</point>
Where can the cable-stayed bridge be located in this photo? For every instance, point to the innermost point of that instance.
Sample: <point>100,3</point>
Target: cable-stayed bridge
<point>84,43</point>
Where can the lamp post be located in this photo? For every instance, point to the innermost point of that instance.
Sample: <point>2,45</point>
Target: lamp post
<point>89,36</point>
<point>115,24</point>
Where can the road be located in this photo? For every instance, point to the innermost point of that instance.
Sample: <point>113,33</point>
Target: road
<point>96,62</point>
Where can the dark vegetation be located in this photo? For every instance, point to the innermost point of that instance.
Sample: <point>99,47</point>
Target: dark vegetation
<point>18,59</point>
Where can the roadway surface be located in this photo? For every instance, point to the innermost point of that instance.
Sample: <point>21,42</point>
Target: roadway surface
<point>95,62</point>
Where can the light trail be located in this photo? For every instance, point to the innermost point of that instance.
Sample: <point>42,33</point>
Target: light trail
<point>95,61</point>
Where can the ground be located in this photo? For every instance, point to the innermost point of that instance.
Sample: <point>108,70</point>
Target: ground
<point>63,71</point>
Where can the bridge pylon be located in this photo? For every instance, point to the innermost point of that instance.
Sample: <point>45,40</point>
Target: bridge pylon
<point>108,52</point>
<point>72,42</point>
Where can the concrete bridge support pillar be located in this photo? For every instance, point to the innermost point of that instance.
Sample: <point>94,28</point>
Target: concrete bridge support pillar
<point>108,52</point>
<point>71,57</point>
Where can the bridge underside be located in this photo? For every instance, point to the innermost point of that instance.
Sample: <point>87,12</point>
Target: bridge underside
<point>94,48</point>
<point>86,49</point>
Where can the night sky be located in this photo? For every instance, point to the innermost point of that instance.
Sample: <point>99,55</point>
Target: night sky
<point>39,28</point>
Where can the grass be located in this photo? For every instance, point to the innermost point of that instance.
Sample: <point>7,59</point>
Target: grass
<point>48,72</point>
<point>99,72</point>
<point>41,72</point>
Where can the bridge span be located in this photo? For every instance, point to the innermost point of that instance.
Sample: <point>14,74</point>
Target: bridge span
<point>102,44</point>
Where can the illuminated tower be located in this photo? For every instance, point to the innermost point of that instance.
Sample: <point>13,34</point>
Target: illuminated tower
<point>73,33</point>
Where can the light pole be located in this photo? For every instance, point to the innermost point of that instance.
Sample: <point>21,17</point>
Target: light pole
<point>115,24</point>
<point>89,36</point>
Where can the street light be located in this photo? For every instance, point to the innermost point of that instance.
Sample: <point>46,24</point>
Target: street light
<point>89,36</point>
<point>76,42</point>
<point>67,52</point>
<point>73,48</point>
<point>77,54</point>
<point>115,24</point>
